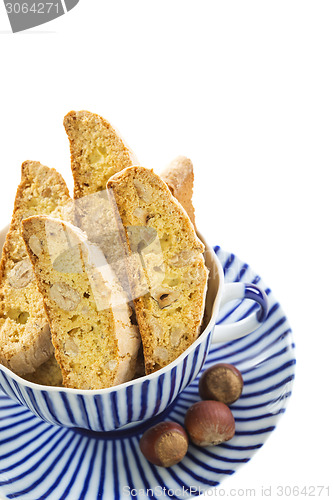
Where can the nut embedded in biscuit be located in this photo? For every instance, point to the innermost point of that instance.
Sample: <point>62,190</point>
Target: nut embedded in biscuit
<point>21,274</point>
<point>64,296</point>
<point>35,245</point>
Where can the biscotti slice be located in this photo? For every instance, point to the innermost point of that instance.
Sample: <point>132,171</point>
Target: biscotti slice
<point>170,313</point>
<point>97,151</point>
<point>95,344</point>
<point>179,177</point>
<point>25,340</point>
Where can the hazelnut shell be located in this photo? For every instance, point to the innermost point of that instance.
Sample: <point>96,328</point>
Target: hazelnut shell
<point>221,382</point>
<point>209,423</point>
<point>165,444</point>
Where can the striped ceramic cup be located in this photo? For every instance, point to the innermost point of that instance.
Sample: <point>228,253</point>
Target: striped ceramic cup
<point>129,404</point>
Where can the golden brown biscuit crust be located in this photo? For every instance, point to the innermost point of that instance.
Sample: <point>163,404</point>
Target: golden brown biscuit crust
<point>25,341</point>
<point>170,311</point>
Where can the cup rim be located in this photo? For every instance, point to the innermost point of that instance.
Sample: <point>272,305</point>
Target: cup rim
<point>123,386</point>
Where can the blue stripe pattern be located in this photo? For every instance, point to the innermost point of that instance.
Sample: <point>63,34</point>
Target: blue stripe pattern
<point>45,460</point>
<point>112,409</point>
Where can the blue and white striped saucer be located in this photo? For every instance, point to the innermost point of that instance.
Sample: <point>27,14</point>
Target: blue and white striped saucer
<point>40,461</point>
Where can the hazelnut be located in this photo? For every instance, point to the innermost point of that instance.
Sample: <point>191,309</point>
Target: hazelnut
<point>35,245</point>
<point>165,444</point>
<point>176,334</point>
<point>111,365</point>
<point>161,354</point>
<point>64,296</point>
<point>209,423</point>
<point>21,274</point>
<point>70,348</point>
<point>166,242</point>
<point>156,327</point>
<point>183,258</point>
<point>143,191</point>
<point>221,382</point>
<point>141,214</point>
<point>95,156</point>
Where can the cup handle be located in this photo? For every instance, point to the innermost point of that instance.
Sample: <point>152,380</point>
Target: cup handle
<point>232,331</point>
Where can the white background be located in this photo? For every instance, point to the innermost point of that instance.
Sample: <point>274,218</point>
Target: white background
<point>244,89</point>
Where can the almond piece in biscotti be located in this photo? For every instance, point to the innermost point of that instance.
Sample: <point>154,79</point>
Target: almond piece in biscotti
<point>25,340</point>
<point>170,313</point>
<point>95,343</point>
<point>179,177</point>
